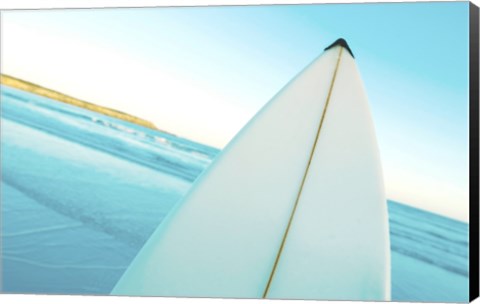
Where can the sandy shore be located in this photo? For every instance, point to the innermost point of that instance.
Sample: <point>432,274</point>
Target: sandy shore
<point>39,90</point>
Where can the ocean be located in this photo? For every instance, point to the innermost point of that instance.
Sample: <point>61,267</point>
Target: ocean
<point>81,192</point>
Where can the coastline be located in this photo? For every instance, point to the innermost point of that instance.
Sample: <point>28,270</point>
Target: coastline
<point>45,92</point>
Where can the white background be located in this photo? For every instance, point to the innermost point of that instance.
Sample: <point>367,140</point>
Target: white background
<point>16,4</point>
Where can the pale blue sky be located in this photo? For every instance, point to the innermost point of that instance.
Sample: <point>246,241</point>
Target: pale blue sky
<point>203,72</point>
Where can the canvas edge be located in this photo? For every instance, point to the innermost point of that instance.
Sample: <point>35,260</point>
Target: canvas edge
<point>474,151</point>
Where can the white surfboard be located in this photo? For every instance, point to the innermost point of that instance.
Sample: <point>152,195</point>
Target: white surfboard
<point>294,207</point>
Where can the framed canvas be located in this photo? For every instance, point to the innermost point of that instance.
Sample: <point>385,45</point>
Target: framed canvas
<point>294,151</point>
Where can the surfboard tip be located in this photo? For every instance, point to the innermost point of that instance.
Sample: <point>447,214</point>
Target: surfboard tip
<point>341,42</point>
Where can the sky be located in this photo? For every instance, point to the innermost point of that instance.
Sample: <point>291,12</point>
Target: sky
<point>203,72</point>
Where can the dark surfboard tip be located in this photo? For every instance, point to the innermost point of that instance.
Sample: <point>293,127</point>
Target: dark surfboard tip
<point>341,42</point>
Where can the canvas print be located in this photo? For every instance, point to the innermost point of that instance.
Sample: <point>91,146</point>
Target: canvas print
<point>277,151</point>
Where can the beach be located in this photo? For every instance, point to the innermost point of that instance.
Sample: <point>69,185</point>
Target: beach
<point>82,191</point>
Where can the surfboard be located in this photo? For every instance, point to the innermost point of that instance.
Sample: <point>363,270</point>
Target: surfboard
<point>294,206</point>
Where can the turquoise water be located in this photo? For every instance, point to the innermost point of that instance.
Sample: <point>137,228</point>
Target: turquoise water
<point>81,193</point>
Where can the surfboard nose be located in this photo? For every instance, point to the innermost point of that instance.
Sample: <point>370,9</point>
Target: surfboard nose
<point>340,42</point>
